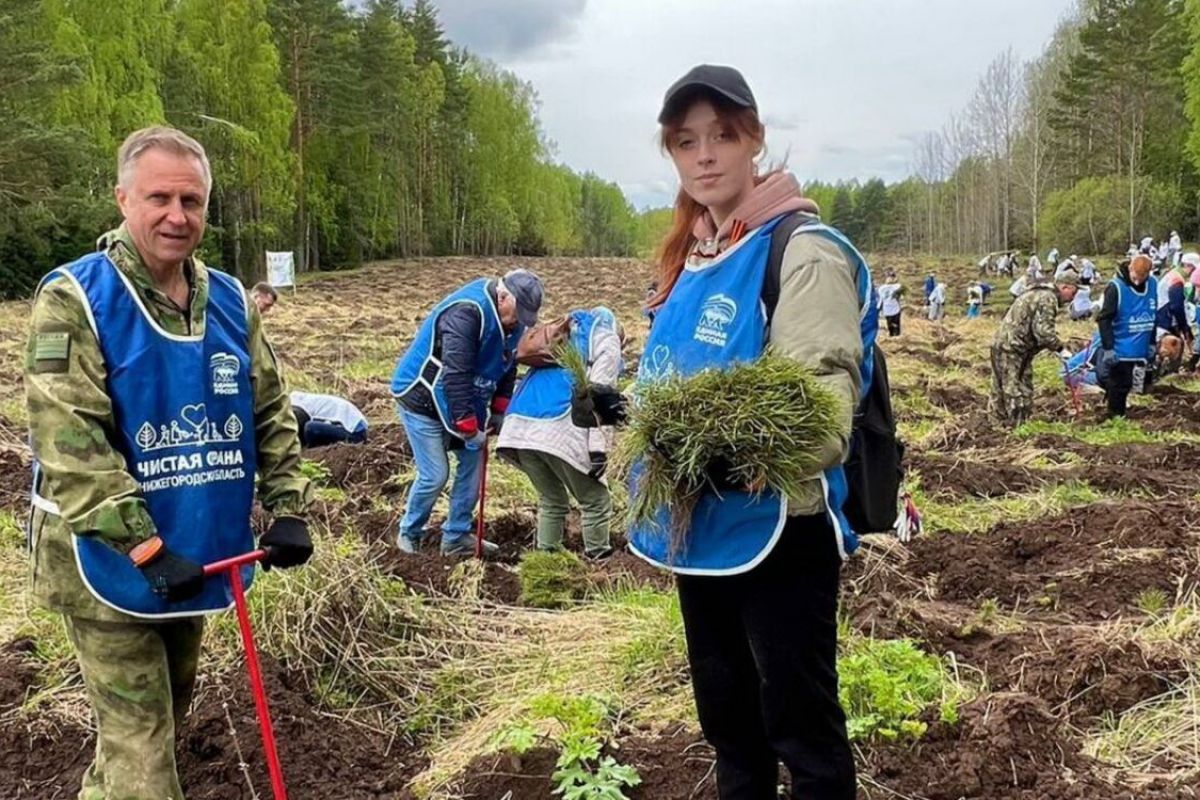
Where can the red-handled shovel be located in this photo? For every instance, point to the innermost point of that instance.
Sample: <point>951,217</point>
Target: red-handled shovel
<point>482,503</point>
<point>233,567</point>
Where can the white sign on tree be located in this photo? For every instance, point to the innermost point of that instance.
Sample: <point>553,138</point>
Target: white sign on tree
<point>281,269</point>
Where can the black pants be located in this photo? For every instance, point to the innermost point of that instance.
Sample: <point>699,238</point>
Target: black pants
<point>763,651</point>
<point>1118,387</point>
<point>893,323</point>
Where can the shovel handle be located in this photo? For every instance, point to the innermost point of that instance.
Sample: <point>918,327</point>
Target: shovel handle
<point>253,557</point>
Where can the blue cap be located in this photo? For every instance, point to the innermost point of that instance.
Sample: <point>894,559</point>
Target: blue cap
<point>526,288</point>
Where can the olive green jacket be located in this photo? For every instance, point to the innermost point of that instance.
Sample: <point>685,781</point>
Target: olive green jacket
<point>816,322</point>
<point>72,430</point>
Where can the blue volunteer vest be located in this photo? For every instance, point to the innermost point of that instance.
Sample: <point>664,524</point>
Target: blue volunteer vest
<point>545,392</point>
<point>1133,325</point>
<point>714,318</point>
<point>420,365</point>
<point>184,412</point>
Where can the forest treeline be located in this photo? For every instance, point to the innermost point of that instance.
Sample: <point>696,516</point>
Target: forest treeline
<point>1089,147</point>
<point>342,133</point>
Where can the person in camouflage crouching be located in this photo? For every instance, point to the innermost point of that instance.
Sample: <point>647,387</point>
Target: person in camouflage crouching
<point>1027,328</point>
<point>153,400</point>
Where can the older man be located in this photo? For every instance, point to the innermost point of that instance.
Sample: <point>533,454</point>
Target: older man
<point>153,399</point>
<point>1027,329</point>
<point>452,387</point>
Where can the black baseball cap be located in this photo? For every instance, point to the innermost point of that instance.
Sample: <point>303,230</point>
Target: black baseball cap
<point>724,81</point>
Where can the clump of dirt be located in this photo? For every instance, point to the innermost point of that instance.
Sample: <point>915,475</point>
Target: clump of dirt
<point>322,756</point>
<point>948,474</point>
<point>15,478</point>
<point>1089,564</point>
<point>17,673</point>
<point>366,467</point>
<point>1006,746</point>
<point>676,764</point>
<point>953,397</point>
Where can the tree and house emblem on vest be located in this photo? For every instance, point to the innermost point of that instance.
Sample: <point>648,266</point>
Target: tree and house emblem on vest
<point>225,368</point>
<point>717,314</point>
<point>191,428</point>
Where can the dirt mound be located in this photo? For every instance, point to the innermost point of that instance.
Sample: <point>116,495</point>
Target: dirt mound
<point>953,397</point>
<point>17,673</point>
<point>366,467</point>
<point>1090,564</point>
<point>1005,747</point>
<point>511,776</point>
<point>959,476</point>
<point>673,765</point>
<point>15,479</point>
<point>322,756</point>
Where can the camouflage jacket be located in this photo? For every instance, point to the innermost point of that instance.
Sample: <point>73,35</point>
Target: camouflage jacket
<point>72,429</point>
<point>1029,324</point>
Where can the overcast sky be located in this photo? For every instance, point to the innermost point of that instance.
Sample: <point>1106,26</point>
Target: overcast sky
<point>845,86</point>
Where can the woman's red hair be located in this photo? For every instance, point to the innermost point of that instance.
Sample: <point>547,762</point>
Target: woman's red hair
<point>675,247</point>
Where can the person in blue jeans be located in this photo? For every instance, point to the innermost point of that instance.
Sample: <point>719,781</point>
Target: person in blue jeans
<point>452,387</point>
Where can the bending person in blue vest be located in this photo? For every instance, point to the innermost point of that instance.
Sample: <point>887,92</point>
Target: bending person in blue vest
<point>1126,321</point>
<point>563,460</point>
<point>758,578</point>
<point>452,387</point>
<point>154,399</point>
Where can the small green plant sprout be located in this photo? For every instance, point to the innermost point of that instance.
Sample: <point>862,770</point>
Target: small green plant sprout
<point>551,579</point>
<point>520,738</point>
<point>1152,602</point>
<point>984,618</point>
<point>315,471</point>
<point>605,782</point>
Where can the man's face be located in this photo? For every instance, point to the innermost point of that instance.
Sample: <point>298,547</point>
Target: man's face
<point>164,207</point>
<point>1067,293</point>
<point>264,301</point>
<point>507,305</point>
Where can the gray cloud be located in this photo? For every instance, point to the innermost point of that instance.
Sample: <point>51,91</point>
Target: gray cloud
<point>510,29</point>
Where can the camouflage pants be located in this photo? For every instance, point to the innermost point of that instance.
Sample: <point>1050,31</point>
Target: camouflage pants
<point>1012,386</point>
<point>139,678</point>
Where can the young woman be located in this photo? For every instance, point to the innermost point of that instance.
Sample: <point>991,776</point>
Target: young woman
<point>758,575</point>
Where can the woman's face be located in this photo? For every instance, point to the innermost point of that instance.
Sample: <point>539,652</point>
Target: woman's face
<point>716,168</point>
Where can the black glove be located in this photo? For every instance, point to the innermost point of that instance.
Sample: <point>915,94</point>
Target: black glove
<point>287,543</point>
<point>599,464</point>
<point>174,578</point>
<point>1105,361</point>
<point>609,403</point>
<point>583,410</point>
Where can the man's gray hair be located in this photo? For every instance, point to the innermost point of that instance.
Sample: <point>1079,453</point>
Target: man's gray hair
<point>159,137</point>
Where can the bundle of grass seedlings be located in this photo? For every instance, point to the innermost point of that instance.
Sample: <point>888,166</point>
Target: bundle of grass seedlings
<point>757,426</point>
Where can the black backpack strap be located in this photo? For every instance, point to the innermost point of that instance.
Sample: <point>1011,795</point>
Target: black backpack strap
<point>780,236</point>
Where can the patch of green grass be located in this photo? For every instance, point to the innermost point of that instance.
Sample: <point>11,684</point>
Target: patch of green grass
<point>917,431</point>
<point>659,647</point>
<point>1110,432</point>
<point>551,579</point>
<point>508,487</point>
<point>12,531</point>
<point>976,515</point>
<point>330,494</point>
<point>367,366</point>
<point>1159,735</point>
<point>315,471</point>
